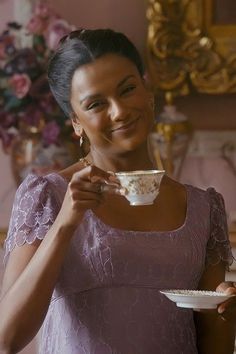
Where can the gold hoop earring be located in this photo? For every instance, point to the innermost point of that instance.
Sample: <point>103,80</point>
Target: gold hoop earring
<point>81,141</point>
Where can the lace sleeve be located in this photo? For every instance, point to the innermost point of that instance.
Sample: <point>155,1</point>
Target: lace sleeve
<point>34,210</point>
<point>218,246</point>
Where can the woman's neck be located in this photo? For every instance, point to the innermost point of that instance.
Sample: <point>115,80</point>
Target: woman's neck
<point>135,160</point>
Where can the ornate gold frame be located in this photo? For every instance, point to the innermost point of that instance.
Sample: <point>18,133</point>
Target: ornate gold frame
<point>186,51</point>
<point>223,35</point>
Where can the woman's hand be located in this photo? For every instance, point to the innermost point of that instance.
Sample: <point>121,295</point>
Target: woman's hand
<point>227,309</point>
<point>85,191</point>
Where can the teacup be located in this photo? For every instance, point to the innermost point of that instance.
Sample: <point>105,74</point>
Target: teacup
<point>142,187</point>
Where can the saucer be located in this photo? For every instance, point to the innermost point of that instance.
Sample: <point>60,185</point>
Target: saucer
<point>196,299</point>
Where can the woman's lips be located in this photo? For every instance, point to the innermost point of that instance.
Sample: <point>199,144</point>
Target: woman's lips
<point>126,126</point>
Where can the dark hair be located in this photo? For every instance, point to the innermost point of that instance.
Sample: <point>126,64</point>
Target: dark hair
<point>82,47</point>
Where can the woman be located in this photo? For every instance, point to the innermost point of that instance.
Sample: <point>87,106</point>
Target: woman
<point>88,266</point>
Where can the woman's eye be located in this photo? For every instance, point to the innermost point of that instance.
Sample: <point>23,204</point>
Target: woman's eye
<point>94,105</point>
<point>128,89</point>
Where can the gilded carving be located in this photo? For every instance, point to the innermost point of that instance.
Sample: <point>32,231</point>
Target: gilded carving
<point>181,55</point>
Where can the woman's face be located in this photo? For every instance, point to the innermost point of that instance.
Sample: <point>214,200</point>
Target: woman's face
<point>111,104</point>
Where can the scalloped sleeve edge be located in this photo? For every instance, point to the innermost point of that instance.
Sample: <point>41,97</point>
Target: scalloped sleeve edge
<point>218,245</point>
<point>34,210</point>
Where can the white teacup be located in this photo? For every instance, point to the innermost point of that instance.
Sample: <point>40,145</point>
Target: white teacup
<point>142,187</point>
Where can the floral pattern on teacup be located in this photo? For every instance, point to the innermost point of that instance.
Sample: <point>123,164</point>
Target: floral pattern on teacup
<point>141,184</point>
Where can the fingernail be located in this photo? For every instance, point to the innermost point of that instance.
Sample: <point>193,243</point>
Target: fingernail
<point>220,310</point>
<point>123,191</point>
<point>222,317</point>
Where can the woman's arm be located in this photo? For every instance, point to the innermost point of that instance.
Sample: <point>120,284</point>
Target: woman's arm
<point>215,335</point>
<point>29,280</point>
<point>32,270</point>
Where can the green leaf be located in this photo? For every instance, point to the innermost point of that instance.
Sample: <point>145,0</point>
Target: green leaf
<point>13,103</point>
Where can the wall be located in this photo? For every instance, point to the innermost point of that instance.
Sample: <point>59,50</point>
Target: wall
<point>127,16</point>
<point>210,111</point>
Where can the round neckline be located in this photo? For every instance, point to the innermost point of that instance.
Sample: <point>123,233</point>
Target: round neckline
<point>89,212</point>
<point>125,231</point>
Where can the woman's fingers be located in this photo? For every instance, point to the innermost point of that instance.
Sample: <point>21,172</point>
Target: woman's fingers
<point>85,186</point>
<point>227,309</point>
<point>85,195</point>
<point>93,174</point>
<point>95,180</point>
<point>230,303</point>
<point>225,285</point>
<point>86,190</point>
<point>99,188</point>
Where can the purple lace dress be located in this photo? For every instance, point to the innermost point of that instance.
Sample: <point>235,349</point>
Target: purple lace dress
<point>107,298</point>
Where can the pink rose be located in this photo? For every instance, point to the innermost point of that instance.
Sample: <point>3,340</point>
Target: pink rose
<point>56,30</point>
<point>37,25</point>
<point>20,83</point>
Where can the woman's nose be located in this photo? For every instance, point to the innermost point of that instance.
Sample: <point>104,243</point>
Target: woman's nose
<point>118,111</point>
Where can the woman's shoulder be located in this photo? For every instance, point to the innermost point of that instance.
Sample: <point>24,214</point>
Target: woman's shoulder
<point>34,183</point>
<point>208,196</point>
<point>68,172</point>
<point>209,193</point>
<point>179,186</point>
<point>174,187</point>
<point>173,192</point>
<point>184,191</point>
<point>35,188</point>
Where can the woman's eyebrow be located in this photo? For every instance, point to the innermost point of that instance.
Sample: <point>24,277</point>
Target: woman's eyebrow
<point>96,96</point>
<point>90,97</point>
<point>124,80</point>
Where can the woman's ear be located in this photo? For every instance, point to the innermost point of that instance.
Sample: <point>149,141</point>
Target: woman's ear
<point>147,81</point>
<point>76,125</point>
<point>151,100</point>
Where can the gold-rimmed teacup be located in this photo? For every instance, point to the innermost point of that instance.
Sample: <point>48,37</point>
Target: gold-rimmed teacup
<point>142,187</point>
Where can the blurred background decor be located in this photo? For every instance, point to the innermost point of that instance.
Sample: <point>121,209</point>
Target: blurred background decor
<point>191,62</point>
<point>170,138</point>
<point>182,59</point>
<point>33,129</point>
<point>189,50</point>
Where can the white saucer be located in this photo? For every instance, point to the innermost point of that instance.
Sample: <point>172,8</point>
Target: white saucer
<point>196,299</point>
